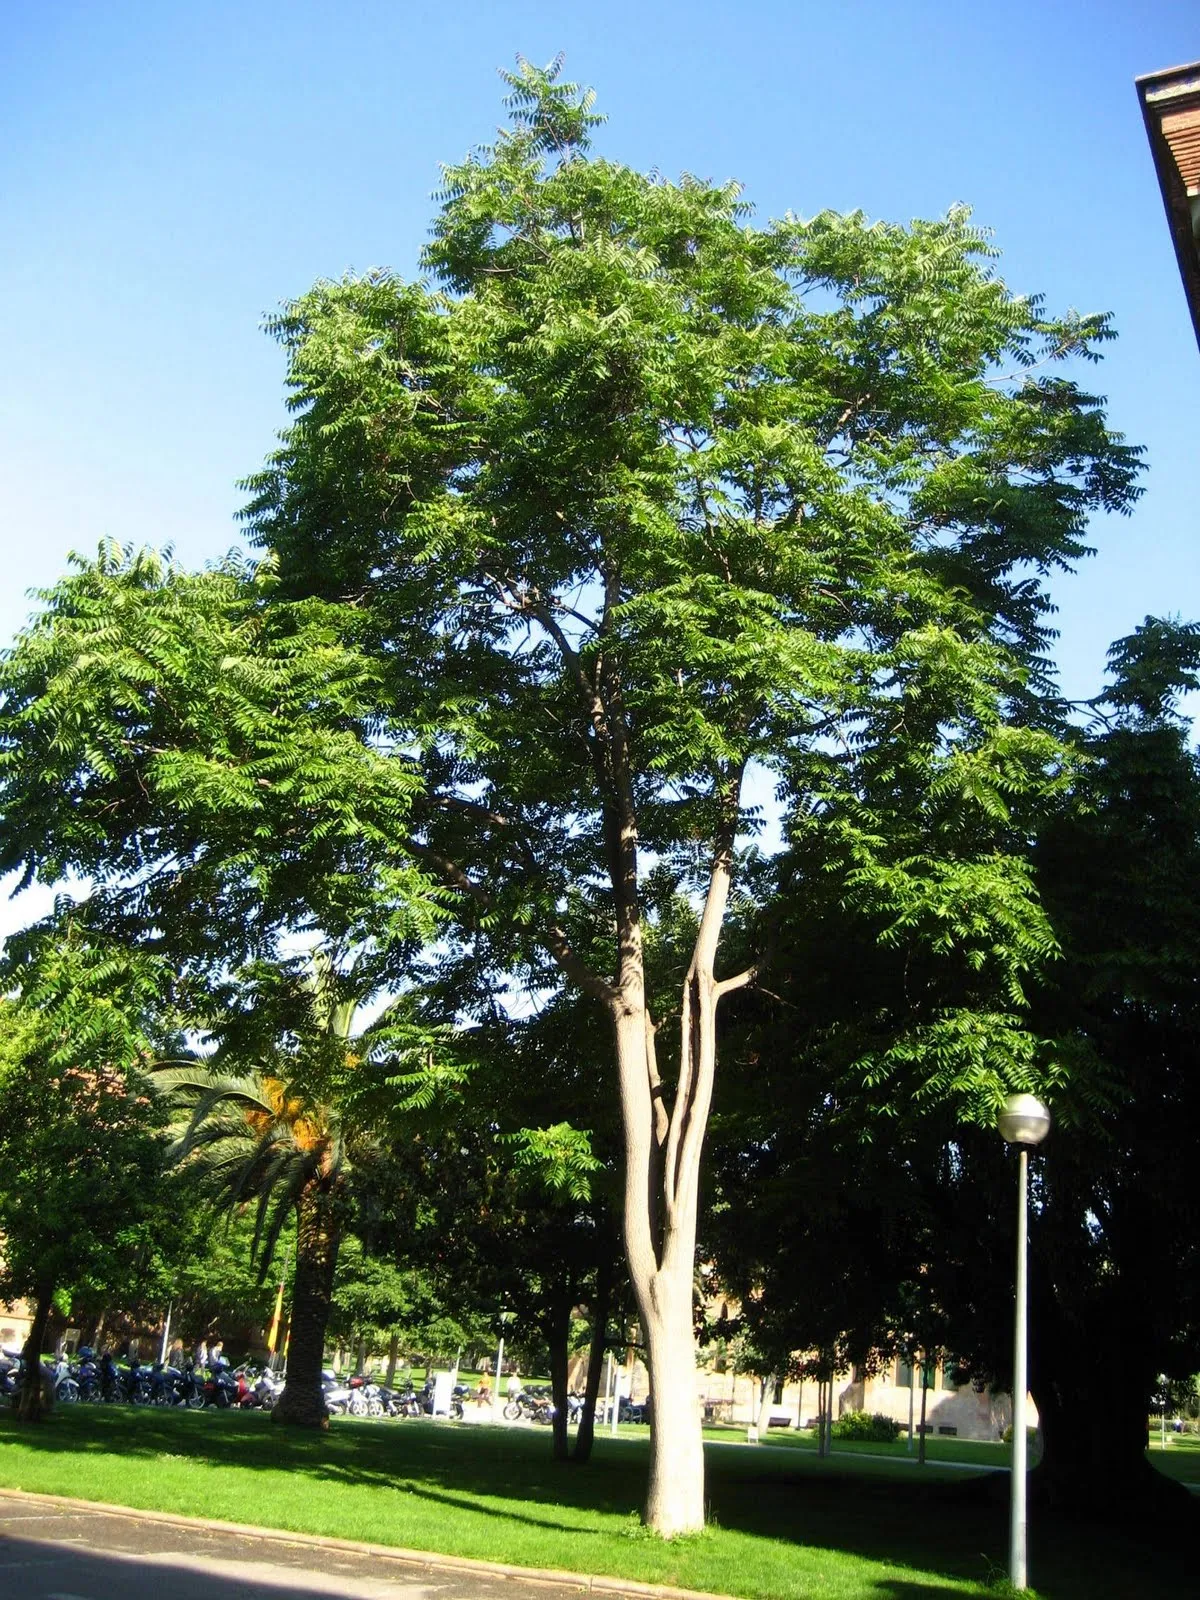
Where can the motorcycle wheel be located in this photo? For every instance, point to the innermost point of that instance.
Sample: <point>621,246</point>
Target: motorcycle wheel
<point>512,1411</point>
<point>66,1391</point>
<point>195,1400</point>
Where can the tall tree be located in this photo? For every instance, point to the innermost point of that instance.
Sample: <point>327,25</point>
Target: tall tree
<point>635,497</point>
<point>1115,1264</point>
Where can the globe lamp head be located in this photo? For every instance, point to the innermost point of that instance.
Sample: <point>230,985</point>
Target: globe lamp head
<point>1023,1119</point>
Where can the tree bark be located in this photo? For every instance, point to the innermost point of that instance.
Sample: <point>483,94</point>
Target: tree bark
<point>662,1148</point>
<point>924,1409</point>
<point>318,1236</point>
<point>662,1186</point>
<point>393,1357</point>
<point>35,1402</point>
<point>558,1333</point>
<point>766,1404</point>
<point>601,1299</point>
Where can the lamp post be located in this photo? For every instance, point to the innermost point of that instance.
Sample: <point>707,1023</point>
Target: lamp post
<point>504,1319</point>
<point>1025,1122</point>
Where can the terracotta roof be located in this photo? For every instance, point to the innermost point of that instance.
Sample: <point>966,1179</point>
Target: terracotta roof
<point>1170,103</point>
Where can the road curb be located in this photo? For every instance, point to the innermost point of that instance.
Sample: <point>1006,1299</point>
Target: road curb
<point>429,1559</point>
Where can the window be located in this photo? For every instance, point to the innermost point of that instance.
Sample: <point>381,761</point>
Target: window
<point>950,1377</point>
<point>778,1396</point>
<point>903,1374</point>
<point>950,1433</point>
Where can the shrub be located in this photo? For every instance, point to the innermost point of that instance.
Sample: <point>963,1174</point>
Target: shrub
<point>1030,1435</point>
<point>876,1429</point>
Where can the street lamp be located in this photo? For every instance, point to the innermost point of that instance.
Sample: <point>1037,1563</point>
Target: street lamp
<point>504,1318</point>
<point>1025,1122</point>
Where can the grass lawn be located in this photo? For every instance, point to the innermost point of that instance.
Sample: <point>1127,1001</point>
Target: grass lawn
<point>961,1452</point>
<point>1180,1459</point>
<point>786,1525</point>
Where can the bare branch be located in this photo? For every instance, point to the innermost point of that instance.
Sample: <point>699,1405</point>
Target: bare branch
<point>739,981</point>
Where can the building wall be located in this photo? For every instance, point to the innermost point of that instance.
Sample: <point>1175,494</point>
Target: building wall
<point>952,1410</point>
<point>15,1323</point>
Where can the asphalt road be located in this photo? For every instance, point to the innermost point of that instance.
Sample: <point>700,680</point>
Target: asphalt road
<point>56,1553</point>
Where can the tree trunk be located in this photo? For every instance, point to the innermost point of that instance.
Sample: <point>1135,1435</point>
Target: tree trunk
<point>558,1333</point>
<point>662,1148</point>
<point>393,1357</point>
<point>360,1358</point>
<point>600,1304</point>
<point>924,1408</point>
<point>660,1245</point>
<point>318,1235</point>
<point>766,1404</point>
<point>1094,1453</point>
<point>34,1401</point>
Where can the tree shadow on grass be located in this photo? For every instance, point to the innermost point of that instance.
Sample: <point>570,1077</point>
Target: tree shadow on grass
<point>956,1531</point>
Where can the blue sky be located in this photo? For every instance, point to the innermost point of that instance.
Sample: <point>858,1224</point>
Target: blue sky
<point>170,173</point>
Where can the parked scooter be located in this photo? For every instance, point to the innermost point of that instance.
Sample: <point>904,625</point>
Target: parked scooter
<point>337,1394</point>
<point>220,1387</point>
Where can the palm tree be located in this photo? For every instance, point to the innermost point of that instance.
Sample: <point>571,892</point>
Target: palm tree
<point>286,1131</point>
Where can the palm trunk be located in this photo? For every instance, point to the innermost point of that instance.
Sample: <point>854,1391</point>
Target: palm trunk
<point>318,1235</point>
<point>600,1304</point>
<point>35,1402</point>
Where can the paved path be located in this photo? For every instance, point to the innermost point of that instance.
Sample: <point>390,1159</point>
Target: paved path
<point>56,1553</point>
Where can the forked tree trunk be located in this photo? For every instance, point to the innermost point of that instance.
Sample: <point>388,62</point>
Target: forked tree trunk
<point>586,1432</point>
<point>662,1189</point>
<point>318,1235</point>
<point>34,1401</point>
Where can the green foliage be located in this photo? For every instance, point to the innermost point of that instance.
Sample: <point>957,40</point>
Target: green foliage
<point>559,1156</point>
<point>82,1139</point>
<point>1152,667</point>
<point>872,1428</point>
<point>198,749</point>
<point>634,494</point>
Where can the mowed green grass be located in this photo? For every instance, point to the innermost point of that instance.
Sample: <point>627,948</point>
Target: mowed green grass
<point>786,1526</point>
<point>1180,1459</point>
<point>953,1452</point>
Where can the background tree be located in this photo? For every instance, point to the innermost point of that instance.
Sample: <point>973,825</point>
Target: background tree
<point>82,1145</point>
<point>195,749</point>
<point>291,1102</point>
<point>1115,1275</point>
<point>638,497</point>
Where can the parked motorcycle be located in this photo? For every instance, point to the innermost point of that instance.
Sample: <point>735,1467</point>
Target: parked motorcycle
<point>220,1387</point>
